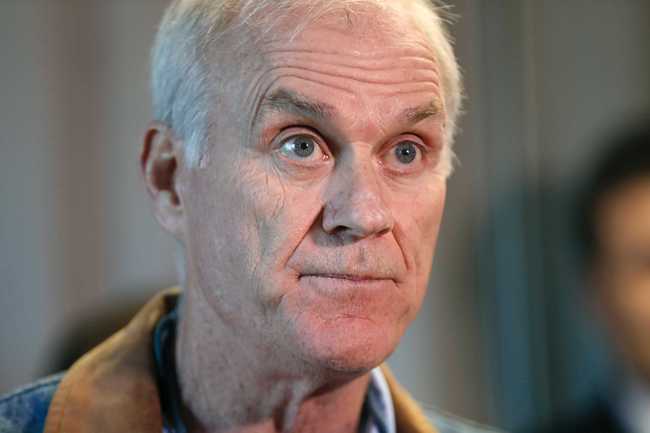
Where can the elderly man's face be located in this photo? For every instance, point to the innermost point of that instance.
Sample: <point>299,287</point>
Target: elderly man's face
<point>312,221</point>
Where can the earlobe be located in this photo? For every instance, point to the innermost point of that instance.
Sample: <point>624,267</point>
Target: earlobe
<point>159,162</point>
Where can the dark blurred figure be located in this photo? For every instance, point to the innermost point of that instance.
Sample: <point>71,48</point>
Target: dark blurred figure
<point>614,229</point>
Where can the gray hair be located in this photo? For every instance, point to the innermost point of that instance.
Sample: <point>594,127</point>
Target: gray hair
<point>182,77</point>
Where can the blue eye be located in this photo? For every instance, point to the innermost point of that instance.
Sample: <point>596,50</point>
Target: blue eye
<point>406,152</point>
<point>299,147</point>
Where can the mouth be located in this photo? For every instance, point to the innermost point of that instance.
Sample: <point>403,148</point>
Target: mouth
<point>348,277</point>
<point>342,286</point>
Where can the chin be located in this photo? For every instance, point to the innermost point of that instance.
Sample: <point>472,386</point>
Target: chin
<point>346,328</point>
<point>351,346</point>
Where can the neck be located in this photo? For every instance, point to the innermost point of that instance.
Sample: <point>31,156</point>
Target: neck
<point>230,384</point>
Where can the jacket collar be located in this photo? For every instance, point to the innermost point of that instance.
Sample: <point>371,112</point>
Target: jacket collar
<point>112,389</point>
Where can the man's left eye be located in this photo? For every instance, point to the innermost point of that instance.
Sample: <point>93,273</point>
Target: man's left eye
<point>301,147</point>
<point>406,152</point>
<point>408,156</point>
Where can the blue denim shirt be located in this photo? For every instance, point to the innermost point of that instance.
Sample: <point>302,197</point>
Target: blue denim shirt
<point>25,410</point>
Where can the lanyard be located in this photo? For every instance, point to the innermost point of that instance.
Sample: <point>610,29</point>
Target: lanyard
<point>163,347</point>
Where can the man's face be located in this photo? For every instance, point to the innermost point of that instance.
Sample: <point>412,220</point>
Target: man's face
<point>624,276</point>
<point>312,221</point>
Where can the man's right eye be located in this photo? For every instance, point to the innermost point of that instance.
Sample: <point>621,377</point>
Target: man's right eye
<point>302,147</point>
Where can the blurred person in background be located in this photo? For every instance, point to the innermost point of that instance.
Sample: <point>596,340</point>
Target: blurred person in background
<point>299,155</point>
<point>614,228</point>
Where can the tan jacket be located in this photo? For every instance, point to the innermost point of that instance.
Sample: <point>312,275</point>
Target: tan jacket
<point>112,389</point>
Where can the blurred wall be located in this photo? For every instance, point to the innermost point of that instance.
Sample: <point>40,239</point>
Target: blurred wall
<point>77,237</point>
<point>555,77</point>
<point>75,230</point>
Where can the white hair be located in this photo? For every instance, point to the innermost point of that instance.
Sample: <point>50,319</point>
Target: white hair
<point>183,77</point>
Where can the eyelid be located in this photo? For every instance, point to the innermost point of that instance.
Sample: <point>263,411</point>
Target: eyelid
<point>293,131</point>
<point>410,138</point>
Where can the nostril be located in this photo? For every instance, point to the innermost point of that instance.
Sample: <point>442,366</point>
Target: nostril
<point>356,210</point>
<point>338,230</point>
<point>357,219</point>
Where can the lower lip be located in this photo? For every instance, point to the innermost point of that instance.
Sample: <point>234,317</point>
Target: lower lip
<point>338,286</point>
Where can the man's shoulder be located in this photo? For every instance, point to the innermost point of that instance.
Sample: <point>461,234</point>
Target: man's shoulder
<point>25,409</point>
<point>447,423</point>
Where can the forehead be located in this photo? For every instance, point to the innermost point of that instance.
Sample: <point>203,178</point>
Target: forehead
<point>367,39</point>
<point>364,59</point>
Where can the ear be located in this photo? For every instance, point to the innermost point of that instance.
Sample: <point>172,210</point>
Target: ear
<point>159,164</point>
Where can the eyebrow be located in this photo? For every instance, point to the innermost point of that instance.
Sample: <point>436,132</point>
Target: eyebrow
<point>418,114</point>
<point>287,101</point>
<point>283,100</point>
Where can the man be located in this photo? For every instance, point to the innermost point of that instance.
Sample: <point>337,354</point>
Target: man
<point>614,225</point>
<point>299,155</point>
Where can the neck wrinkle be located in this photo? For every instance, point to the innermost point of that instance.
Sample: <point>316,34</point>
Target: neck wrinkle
<point>254,396</point>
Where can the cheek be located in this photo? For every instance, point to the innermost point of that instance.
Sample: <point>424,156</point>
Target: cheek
<point>221,236</point>
<point>419,218</point>
<point>278,216</point>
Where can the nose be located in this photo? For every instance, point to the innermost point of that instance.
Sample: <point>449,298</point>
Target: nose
<point>355,208</point>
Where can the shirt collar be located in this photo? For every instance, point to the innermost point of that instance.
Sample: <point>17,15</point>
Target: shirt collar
<point>379,403</point>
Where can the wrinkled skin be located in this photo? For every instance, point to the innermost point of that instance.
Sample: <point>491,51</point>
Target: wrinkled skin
<point>622,273</point>
<point>304,269</point>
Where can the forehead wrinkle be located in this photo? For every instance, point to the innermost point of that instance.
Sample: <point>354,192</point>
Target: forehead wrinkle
<point>421,66</point>
<point>259,112</point>
<point>285,99</point>
<point>359,59</point>
<point>284,67</point>
<point>355,56</point>
<point>381,68</point>
<point>327,76</point>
